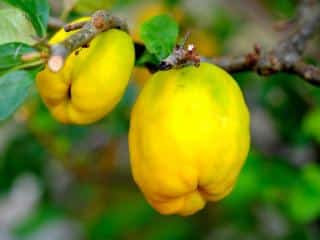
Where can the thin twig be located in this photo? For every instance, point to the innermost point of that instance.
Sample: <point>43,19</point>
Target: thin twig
<point>74,26</point>
<point>309,72</point>
<point>55,23</point>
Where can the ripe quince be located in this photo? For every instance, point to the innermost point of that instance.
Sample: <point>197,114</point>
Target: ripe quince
<point>92,81</point>
<point>189,138</point>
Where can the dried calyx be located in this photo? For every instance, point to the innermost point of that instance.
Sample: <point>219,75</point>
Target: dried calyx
<point>182,55</point>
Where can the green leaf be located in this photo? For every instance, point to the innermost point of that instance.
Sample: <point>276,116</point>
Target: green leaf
<point>10,54</point>
<point>159,34</point>
<point>311,126</point>
<point>304,204</point>
<point>147,58</point>
<point>15,26</point>
<point>248,186</point>
<point>44,214</point>
<point>283,8</point>
<point>37,10</point>
<point>14,89</point>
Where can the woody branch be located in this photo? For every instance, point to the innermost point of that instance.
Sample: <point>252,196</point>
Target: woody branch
<point>87,30</point>
<point>287,55</point>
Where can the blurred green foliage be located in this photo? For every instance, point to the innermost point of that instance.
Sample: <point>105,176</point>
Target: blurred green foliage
<point>282,8</point>
<point>84,171</point>
<point>311,124</point>
<point>23,154</point>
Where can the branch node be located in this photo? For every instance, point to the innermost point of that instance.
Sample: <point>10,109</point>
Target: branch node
<point>98,20</point>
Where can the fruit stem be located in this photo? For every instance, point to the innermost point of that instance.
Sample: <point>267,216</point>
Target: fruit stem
<point>183,55</point>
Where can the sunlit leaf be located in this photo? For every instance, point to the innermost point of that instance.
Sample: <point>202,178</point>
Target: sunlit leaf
<point>304,201</point>
<point>15,26</point>
<point>311,124</point>
<point>160,35</point>
<point>10,54</point>
<point>14,89</point>
<point>37,11</point>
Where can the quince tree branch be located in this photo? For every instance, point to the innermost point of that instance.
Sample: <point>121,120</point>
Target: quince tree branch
<point>87,30</point>
<point>55,23</point>
<point>286,56</point>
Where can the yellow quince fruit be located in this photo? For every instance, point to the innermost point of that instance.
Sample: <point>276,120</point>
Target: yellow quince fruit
<point>189,137</point>
<point>91,82</point>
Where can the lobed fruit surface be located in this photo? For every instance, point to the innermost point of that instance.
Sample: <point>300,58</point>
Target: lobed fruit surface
<point>189,138</point>
<point>91,82</point>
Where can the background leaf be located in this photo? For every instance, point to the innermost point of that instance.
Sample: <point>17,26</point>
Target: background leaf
<point>14,89</point>
<point>304,202</point>
<point>147,58</point>
<point>10,55</point>
<point>83,172</point>
<point>15,27</point>
<point>159,34</point>
<point>37,10</point>
<point>311,125</point>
